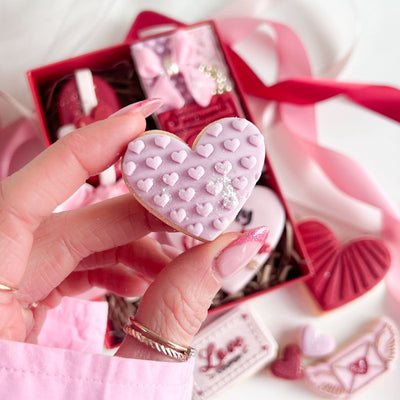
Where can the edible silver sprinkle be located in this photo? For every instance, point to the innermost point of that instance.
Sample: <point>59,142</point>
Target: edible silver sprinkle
<point>228,194</point>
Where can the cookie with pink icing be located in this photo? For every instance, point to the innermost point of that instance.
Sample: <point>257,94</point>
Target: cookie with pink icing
<point>356,365</point>
<point>230,348</point>
<point>313,343</point>
<point>198,190</point>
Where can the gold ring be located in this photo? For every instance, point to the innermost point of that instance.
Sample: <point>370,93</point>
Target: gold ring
<point>158,343</point>
<point>6,288</point>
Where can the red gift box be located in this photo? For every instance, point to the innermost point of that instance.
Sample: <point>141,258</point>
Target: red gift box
<point>42,78</point>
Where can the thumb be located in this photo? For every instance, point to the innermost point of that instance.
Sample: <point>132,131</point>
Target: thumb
<point>176,303</point>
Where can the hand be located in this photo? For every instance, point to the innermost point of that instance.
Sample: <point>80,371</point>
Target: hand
<point>46,256</point>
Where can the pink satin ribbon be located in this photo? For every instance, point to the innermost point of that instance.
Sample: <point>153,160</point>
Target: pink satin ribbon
<point>296,86</point>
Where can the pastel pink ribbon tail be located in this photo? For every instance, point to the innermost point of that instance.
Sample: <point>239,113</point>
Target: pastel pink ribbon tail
<point>150,67</point>
<point>183,52</point>
<point>182,48</point>
<point>165,90</point>
<point>148,63</point>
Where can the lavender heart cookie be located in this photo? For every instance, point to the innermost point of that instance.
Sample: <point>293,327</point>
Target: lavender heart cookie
<point>198,190</point>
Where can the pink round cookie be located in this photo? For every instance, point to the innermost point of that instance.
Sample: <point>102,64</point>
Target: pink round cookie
<point>198,191</point>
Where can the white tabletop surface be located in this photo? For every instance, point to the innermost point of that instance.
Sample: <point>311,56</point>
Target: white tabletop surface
<point>38,33</point>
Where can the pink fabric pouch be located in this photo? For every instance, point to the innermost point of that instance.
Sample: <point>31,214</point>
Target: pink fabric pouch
<point>75,324</point>
<point>29,371</point>
<point>63,365</point>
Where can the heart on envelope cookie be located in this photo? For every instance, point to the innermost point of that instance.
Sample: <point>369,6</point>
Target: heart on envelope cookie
<point>342,273</point>
<point>198,191</point>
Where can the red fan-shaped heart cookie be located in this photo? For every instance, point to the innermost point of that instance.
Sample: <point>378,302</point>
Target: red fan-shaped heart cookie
<point>342,273</point>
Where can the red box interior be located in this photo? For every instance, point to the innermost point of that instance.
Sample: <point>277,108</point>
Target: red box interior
<point>44,76</point>
<point>104,58</point>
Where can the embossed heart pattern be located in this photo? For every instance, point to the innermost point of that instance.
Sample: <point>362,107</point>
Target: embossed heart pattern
<point>198,191</point>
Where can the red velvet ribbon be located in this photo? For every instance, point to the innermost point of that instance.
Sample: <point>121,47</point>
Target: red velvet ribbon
<point>384,100</point>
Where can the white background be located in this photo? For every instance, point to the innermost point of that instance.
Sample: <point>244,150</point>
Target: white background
<point>40,32</point>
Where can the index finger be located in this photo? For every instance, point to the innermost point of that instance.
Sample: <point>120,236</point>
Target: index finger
<point>33,192</point>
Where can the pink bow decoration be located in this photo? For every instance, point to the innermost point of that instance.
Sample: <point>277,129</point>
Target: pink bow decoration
<point>183,60</point>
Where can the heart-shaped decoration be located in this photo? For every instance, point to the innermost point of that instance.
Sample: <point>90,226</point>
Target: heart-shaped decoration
<point>359,367</point>
<point>70,103</point>
<point>288,367</point>
<point>342,273</point>
<point>166,176</point>
<point>98,113</point>
<point>315,344</point>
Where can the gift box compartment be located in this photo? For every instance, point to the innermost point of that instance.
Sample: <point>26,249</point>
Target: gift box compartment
<point>44,80</point>
<point>47,82</point>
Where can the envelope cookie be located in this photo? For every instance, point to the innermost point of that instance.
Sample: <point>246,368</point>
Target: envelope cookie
<point>356,365</point>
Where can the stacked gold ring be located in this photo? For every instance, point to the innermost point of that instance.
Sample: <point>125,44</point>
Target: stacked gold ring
<point>158,343</point>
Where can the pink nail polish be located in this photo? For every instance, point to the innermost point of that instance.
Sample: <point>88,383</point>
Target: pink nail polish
<point>145,107</point>
<point>240,252</point>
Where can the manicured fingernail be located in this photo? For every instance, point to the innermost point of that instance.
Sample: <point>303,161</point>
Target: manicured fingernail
<point>240,252</point>
<point>145,107</point>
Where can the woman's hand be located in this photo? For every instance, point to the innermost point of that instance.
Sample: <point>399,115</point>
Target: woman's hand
<point>46,256</point>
